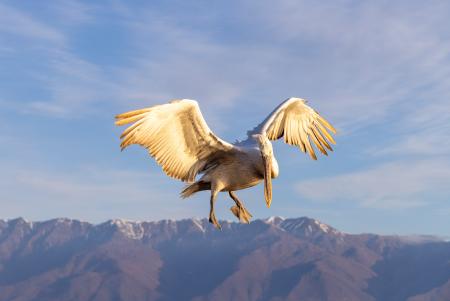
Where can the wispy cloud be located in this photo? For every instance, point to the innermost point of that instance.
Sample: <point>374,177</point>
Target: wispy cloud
<point>73,12</point>
<point>189,62</point>
<point>75,87</point>
<point>85,191</point>
<point>365,55</point>
<point>374,56</point>
<point>69,85</point>
<point>15,22</point>
<point>392,185</point>
<point>418,142</point>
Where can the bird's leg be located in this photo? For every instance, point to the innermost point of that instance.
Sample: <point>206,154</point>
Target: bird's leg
<point>239,210</point>
<point>212,216</point>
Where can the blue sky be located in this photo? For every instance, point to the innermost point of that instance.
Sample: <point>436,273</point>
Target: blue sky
<point>378,70</point>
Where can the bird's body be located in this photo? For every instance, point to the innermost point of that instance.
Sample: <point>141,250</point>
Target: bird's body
<point>240,169</point>
<point>177,136</point>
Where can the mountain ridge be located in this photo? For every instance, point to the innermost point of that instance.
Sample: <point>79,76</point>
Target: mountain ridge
<point>268,259</point>
<point>202,223</point>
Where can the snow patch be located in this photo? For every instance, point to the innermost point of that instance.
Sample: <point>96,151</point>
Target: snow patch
<point>323,227</point>
<point>130,229</point>
<point>198,224</point>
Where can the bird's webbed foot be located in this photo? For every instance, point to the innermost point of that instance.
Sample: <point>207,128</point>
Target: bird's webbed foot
<point>241,213</point>
<point>239,210</point>
<point>213,220</point>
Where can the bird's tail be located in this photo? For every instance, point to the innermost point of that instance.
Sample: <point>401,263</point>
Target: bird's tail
<point>193,188</point>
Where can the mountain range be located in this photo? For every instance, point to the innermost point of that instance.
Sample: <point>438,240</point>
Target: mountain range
<point>268,259</point>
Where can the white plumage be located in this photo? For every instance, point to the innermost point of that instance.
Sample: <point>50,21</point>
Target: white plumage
<point>177,136</point>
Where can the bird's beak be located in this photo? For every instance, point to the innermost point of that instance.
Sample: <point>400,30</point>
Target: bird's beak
<point>267,160</point>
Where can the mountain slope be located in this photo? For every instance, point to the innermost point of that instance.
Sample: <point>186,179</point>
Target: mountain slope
<point>272,259</point>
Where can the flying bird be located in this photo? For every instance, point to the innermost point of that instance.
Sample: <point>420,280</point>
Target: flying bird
<point>178,138</point>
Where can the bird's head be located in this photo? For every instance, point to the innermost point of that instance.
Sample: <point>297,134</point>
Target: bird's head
<point>264,145</point>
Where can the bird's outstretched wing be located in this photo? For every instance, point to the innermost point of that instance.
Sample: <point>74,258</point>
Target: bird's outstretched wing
<point>176,135</point>
<point>300,125</point>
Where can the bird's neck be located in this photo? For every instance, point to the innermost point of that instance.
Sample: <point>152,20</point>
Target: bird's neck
<point>274,166</point>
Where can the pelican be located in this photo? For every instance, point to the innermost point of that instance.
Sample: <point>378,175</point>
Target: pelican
<point>177,137</point>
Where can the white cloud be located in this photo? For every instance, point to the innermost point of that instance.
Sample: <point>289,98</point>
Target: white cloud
<point>393,185</point>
